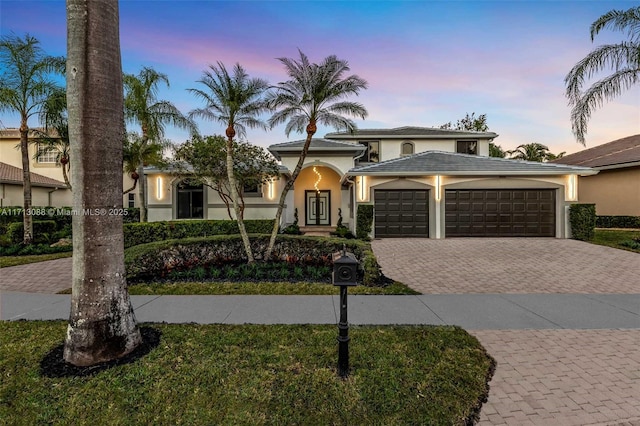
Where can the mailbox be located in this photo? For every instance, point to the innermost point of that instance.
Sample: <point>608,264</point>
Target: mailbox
<point>345,269</point>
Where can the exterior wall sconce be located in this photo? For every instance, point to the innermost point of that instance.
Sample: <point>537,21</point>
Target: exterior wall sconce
<point>362,190</point>
<point>571,191</point>
<point>438,185</point>
<point>159,192</point>
<point>271,188</point>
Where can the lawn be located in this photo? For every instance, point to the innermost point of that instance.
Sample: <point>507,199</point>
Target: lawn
<point>616,238</point>
<point>251,374</point>
<point>6,261</point>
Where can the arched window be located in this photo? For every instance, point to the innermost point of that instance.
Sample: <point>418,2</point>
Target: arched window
<point>190,199</point>
<point>407,148</point>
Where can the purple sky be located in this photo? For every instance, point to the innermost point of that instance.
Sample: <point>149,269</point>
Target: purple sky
<point>427,63</point>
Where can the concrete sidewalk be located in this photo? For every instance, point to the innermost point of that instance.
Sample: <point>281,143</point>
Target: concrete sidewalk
<point>470,311</point>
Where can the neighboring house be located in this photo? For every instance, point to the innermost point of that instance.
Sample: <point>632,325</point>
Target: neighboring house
<point>422,182</point>
<point>615,190</point>
<point>48,187</point>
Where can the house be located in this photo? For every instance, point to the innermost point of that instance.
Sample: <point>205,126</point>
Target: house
<point>615,190</point>
<point>422,182</point>
<point>47,181</point>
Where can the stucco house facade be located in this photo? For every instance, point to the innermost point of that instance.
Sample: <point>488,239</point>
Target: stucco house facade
<point>615,190</point>
<point>422,182</point>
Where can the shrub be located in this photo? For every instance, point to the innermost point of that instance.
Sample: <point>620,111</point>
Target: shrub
<point>43,230</point>
<point>226,252</point>
<point>365,221</point>
<point>617,221</point>
<point>583,221</point>
<point>293,229</point>
<point>32,249</point>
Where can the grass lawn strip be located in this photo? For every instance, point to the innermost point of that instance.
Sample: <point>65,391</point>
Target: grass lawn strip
<point>6,261</point>
<point>614,238</point>
<point>251,374</point>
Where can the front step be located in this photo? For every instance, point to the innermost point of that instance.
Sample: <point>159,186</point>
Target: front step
<point>318,231</point>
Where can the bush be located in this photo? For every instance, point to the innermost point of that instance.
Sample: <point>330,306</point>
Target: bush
<point>226,252</point>
<point>617,221</point>
<point>583,221</point>
<point>292,229</point>
<point>365,221</point>
<point>143,233</point>
<point>43,231</point>
<point>32,249</point>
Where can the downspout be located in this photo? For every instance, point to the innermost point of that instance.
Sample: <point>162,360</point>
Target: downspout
<point>49,196</point>
<point>2,197</point>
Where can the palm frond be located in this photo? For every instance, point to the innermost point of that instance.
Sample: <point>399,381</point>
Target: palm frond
<point>621,20</point>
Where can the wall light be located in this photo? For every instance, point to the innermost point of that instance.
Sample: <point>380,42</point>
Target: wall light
<point>270,188</point>
<point>159,192</point>
<point>363,189</point>
<point>572,188</point>
<point>438,185</point>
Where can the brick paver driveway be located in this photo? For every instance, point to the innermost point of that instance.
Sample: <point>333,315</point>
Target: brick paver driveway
<point>508,265</point>
<point>543,377</point>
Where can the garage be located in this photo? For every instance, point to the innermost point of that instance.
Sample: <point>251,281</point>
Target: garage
<point>401,213</point>
<point>500,213</point>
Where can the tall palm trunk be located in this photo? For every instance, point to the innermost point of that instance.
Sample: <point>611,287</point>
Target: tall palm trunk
<point>102,325</point>
<point>234,195</point>
<point>26,182</point>
<point>311,130</point>
<point>142,192</point>
<point>65,172</point>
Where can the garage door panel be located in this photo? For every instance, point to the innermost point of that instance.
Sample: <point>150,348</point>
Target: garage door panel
<point>500,213</point>
<point>401,213</point>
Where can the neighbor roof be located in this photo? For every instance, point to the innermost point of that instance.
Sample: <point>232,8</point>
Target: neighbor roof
<point>317,145</point>
<point>13,175</point>
<point>450,163</point>
<point>408,132</point>
<point>623,152</point>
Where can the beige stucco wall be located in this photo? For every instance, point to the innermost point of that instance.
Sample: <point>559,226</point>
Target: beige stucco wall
<point>614,192</point>
<point>330,181</point>
<point>12,195</point>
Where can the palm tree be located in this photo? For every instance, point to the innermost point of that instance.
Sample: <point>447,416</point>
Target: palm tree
<point>235,101</point>
<point>533,152</point>
<point>102,326</point>
<point>25,84</point>
<point>135,152</point>
<point>142,107</point>
<point>623,58</point>
<point>314,94</point>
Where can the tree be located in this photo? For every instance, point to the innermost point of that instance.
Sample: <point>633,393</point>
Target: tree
<point>314,94</point>
<point>136,152</point>
<point>235,101</point>
<point>533,152</point>
<point>102,326</point>
<point>623,58</point>
<point>25,84</point>
<point>142,107</point>
<point>469,123</point>
<point>55,137</point>
<point>204,161</point>
<point>496,150</point>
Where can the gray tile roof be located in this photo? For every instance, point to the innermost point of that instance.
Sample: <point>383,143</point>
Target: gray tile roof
<point>317,145</point>
<point>449,163</point>
<point>13,175</point>
<point>408,132</point>
<point>623,152</point>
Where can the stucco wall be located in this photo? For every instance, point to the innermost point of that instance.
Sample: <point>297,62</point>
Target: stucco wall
<point>12,195</point>
<point>330,181</point>
<point>391,148</point>
<point>615,192</point>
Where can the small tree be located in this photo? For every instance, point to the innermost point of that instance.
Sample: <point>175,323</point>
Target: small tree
<point>135,152</point>
<point>204,161</point>
<point>469,123</point>
<point>533,152</point>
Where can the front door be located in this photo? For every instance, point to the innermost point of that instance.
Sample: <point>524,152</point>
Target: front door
<point>317,208</point>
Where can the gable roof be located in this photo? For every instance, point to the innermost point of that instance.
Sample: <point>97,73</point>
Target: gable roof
<point>317,145</point>
<point>620,153</point>
<point>409,132</point>
<point>13,175</point>
<point>450,163</point>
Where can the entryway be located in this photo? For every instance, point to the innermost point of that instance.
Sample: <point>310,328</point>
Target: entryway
<point>317,208</point>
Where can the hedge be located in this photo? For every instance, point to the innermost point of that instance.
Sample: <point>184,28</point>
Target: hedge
<point>143,233</point>
<point>157,259</point>
<point>583,221</point>
<point>617,221</point>
<point>43,231</point>
<point>364,222</point>
<point>60,215</point>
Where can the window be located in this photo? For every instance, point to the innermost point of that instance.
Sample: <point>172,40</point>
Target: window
<point>252,190</point>
<point>131,200</point>
<point>406,148</point>
<point>372,153</point>
<point>190,201</point>
<point>46,155</point>
<point>467,147</point>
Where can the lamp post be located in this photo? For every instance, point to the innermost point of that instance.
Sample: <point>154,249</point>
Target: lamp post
<point>345,269</point>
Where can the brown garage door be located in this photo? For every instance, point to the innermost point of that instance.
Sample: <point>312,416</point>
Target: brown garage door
<point>500,213</point>
<point>401,213</point>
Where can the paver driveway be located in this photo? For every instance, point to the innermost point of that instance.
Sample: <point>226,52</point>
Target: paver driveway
<point>543,377</point>
<point>508,265</point>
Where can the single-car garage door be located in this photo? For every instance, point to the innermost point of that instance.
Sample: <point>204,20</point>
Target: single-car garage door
<point>401,213</point>
<point>500,213</point>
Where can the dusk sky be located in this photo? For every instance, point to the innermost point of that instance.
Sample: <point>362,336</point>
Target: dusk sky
<point>427,62</point>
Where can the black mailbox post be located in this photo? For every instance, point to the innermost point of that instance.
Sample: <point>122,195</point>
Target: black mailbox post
<point>345,270</point>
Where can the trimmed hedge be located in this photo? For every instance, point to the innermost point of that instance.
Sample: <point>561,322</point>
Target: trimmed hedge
<point>365,221</point>
<point>43,231</point>
<point>583,221</point>
<point>157,259</point>
<point>617,221</point>
<point>143,233</point>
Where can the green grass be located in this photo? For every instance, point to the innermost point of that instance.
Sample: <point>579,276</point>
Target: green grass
<point>6,261</point>
<point>615,238</point>
<point>284,288</point>
<point>254,375</point>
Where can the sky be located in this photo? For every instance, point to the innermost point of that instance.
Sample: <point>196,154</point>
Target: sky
<point>426,62</point>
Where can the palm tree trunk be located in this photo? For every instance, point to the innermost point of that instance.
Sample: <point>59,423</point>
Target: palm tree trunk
<point>102,326</point>
<point>65,175</point>
<point>135,184</point>
<point>26,182</point>
<point>311,129</point>
<point>234,196</point>
<point>142,193</point>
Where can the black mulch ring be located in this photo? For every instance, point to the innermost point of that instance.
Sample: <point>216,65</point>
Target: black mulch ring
<point>53,364</point>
